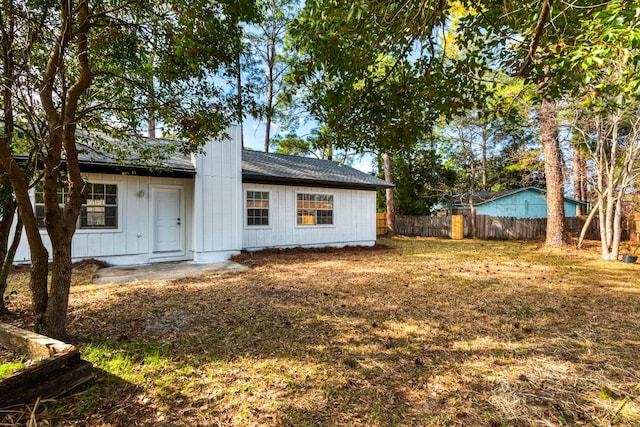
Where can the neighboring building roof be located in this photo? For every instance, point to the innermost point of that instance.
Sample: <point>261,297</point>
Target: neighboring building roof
<point>268,168</point>
<point>482,197</point>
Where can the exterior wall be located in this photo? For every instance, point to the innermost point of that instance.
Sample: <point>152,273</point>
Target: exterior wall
<point>131,242</point>
<point>217,213</point>
<point>525,204</point>
<point>354,219</point>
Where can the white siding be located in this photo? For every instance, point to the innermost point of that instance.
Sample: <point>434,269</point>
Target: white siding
<point>218,200</point>
<point>130,243</point>
<point>354,219</point>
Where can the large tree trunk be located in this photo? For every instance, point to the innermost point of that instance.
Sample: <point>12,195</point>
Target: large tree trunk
<point>55,319</point>
<point>390,199</point>
<point>556,229</point>
<point>61,123</point>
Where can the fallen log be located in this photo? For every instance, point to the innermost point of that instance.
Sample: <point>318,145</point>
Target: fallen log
<point>58,368</point>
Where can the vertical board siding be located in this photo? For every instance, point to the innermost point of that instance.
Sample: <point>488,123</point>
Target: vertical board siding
<point>491,227</point>
<point>353,216</point>
<point>217,200</point>
<point>129,243</point>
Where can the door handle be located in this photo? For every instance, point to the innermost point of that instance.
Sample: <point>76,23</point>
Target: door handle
<point>178,221</point>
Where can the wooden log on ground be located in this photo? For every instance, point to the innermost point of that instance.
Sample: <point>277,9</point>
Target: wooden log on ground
<point>35,346</point>
<point>58,368</point>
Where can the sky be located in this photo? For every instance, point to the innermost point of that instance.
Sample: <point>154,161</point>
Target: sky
<point>253,132</point>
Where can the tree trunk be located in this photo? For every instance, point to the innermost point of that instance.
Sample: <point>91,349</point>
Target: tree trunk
<point>617,229</point>
<point>587,223</point>
<point>239,100</point>
<point>38,252</point>
<point>55,318</point>
<point>20,180</point>
<point>556,229</point>
<point>61,126</point>
<point>484,159</point>
<point>390,199</point>
<point>579,179</point>
<point>6,220</point>
<point>11,252</point>
<point>602,222</point>
<point>472,214</point>
<point>271,63</point>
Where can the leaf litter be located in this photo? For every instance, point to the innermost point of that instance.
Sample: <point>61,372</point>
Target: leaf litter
<point>415,332</point>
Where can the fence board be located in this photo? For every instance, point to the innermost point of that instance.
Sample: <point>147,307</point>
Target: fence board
<point>381,224</point>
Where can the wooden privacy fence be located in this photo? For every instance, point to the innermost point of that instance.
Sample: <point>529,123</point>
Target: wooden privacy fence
<point>491,227</point>
<point>381,224</point>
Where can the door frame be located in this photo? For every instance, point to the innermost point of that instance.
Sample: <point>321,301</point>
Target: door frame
<point>164,256</point>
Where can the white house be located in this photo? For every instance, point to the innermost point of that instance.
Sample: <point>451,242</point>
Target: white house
<point>209,207</point>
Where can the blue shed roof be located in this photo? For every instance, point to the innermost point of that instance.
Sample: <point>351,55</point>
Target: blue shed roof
<point>484,197</point>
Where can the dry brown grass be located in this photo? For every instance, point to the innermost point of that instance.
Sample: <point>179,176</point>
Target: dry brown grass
<point>424,332</point>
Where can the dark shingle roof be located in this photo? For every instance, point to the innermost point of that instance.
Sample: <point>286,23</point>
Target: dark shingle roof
<point>268,168</point>
<point>92,160</point>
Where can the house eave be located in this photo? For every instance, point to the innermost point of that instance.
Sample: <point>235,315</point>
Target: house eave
<point>136,170</point>
<point>276,180</point>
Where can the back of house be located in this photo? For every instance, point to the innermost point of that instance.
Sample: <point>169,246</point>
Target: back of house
<point>208,207</point>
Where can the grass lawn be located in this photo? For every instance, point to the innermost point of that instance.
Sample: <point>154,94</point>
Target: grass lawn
<point>420,332</point>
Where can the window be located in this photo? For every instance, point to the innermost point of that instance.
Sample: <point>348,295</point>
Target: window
<point>257,208</point>
<point>39,202</point>
<point>101,208</point>
<point>315,209</point>
<point>99,211</point>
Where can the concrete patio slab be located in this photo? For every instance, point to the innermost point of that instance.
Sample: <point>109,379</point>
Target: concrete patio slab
<point>163,271</point>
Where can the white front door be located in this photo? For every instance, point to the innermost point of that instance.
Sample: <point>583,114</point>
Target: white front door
<point>167,227</point>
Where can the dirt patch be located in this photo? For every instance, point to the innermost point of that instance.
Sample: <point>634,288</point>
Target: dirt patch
<point>265,255</point>
<point>82,264</point>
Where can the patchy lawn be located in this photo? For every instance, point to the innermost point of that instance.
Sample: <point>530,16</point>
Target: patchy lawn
<point>420,332</point>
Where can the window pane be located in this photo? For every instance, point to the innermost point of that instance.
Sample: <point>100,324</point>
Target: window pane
<point>314,209</point>
<point>40,215</point>
<point>101,207</point>
<point>257,208</point>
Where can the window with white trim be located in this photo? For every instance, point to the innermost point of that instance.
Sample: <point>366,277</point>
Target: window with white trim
<point>100,211</point>
<point>257,208</point>
<point>314,209</point>
<point>101,207</point>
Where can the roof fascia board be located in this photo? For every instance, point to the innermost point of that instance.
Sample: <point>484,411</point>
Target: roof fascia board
<point>274,180</point>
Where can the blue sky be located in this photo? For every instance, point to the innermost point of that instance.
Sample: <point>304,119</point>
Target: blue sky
<point>254,139</point>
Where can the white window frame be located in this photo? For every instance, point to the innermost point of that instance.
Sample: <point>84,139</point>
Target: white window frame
<point>93,230</point>
<point>246,209</point>
<point>315,225</point>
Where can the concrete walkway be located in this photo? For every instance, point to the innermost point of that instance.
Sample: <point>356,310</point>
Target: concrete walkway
<point>163,271</point>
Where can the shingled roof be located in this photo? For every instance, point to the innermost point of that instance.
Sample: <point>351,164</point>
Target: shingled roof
<point>268,168</point>
<point>92,160</point>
